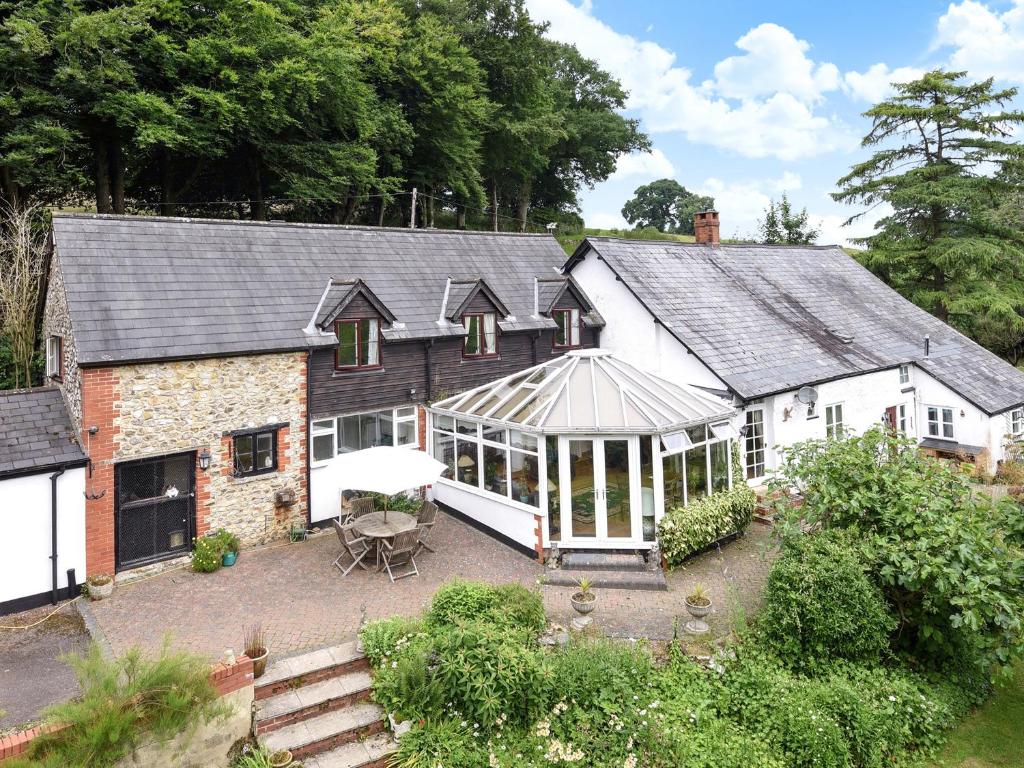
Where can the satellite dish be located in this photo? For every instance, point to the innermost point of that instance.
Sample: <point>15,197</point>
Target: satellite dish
<point>807,395</point>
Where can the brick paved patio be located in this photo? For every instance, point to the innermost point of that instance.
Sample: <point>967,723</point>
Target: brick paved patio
<point>304,602</point>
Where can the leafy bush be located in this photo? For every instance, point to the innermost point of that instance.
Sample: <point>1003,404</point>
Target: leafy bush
<point>1010,472</point>
<point>716,743</point>
<point>381,639</point>
<point>510,605</point>
<point>125,701</point>
<point>954,579</point>
<point>226,541</point>
<point>400,502</point>
<point>819,603</point>
<point>206,555</point>
<point>406,685</point>
<point>685,530</point>
<point>443,742</point>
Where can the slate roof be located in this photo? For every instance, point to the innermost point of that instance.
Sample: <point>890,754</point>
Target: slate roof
<point>35,432</point>
<point>145,288</point>
<point>767,319</point>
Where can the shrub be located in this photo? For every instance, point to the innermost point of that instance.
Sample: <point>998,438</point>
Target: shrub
<point>510,605</point>
<point>381,639</point>
<point>206,554</point>
<point>518,607</point>
<point>685,530</point>
<point>443,743</point>
<point>406,686</point>
<point>602,672</point>
<point>716,743</point>
<point>819,603</point>
<point>1010,472</point>
<point>400,502</point>
<point>124,701</point>
<point>226,541</point>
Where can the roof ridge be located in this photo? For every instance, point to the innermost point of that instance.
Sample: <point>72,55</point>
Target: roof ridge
<point>29,390</point>
<point>291,224</point>
<point>685,243</point>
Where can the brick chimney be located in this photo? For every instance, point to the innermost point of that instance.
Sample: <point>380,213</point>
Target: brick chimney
<point>705,227</point>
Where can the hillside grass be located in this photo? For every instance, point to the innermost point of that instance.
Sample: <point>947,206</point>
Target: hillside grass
<point>571,240</point>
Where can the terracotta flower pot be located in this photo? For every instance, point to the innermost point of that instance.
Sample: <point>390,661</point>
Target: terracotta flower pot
<point>259,664</point>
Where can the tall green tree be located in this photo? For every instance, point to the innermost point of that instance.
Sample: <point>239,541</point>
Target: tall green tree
<point>943,149</point>
<point>783,225</point>
<point>666,205</point>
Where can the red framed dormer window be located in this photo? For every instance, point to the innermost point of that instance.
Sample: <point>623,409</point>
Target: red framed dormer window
<point>358,344</point>
<point>569,330</point>
<point>481,335</point>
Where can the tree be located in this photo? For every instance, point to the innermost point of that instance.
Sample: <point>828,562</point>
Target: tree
<point>23,248</point>
<point>943,152</point>
<point>666,205</point>
<point>782,226</point>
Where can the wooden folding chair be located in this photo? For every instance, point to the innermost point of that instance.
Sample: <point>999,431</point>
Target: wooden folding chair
<point>425,519</point>
<point>401,551</point>
<point>355,547</point>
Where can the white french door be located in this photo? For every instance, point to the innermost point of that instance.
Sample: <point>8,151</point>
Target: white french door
<point>598,480</point>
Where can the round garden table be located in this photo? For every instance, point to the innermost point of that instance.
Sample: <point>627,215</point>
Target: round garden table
<point>375,526</point>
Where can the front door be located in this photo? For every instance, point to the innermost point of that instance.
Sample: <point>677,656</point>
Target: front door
<point>155,510</point>
<point>597,486</point>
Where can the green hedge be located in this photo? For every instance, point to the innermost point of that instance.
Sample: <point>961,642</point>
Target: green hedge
<point>685,530</point>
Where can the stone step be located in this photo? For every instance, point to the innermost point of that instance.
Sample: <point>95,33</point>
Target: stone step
<point>308,668</point>
<point>369,753</point>
<point>308,701</point>
<point>653,581</point>
<point>327,731</point>
<point>603,561</point>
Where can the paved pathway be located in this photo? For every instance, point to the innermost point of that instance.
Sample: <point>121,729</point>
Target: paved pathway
<point>304,602</point>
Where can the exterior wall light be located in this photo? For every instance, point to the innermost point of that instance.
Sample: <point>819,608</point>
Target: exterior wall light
<point>204,460</point>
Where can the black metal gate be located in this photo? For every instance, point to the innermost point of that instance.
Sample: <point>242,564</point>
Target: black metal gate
<point>155,510</point>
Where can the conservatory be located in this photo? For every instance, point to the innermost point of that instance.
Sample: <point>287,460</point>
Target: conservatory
<point>583,451</point>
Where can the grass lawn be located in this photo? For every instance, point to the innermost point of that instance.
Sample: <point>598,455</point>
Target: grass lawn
<point>991,737</point>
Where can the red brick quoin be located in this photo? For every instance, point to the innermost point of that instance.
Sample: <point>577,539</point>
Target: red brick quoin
<point>98,408</point>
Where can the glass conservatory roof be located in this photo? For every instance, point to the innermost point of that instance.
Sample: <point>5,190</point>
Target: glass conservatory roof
<point>587,390</point>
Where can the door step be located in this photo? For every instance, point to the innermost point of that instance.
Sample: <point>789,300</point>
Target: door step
<point>298,671</point>
<point>328,731</point>
<point>308,701</point>
<point>371,753</point>
<point>603,561</point>
<point>653,581</point>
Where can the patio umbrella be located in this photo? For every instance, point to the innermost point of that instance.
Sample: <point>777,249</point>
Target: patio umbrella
<point>386,469</point>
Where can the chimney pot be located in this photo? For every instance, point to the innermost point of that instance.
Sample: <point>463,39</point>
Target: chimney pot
<point>706,227</point>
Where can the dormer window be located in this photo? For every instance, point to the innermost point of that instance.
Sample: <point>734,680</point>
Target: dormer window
<point>568,332</point>
<point>358,343</point>
<point>55,357</point>
<point>481,334</point>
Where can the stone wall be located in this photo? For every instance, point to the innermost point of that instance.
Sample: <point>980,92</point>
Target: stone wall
<point>57,322</point>
<point>192,405</point>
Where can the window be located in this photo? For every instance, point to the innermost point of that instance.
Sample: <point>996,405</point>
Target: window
<point>1017,422</point>
<point>699,469</point>
<point>834,420</point>
<point>904,374</point>
<point>568,332</point>
<point>55,357</point>
<point>903,419</point>
<point>322,433</point>
<point>754,444</point>
<point>481,335</point>
<point>940,422</point>
<point>358,343</point>
<point>554,494</point>
<point>356,431</point>
<point>255,453</point>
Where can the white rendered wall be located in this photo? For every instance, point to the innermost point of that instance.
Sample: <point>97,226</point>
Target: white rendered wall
<point>25,536</point>
<point>504,516</point>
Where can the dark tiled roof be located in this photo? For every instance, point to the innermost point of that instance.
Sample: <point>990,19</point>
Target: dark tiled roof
<point>143,288</point>
<point>35,431</point>
<point>770,318</point>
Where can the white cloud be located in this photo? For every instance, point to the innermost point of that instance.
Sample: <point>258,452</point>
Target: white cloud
<point>834,233</point>
<point>774,62</point>
<point>875,83</point>
<point>649,165</point>
<point>742,203</point>
<point>772,114</point>
<point>985,41</point>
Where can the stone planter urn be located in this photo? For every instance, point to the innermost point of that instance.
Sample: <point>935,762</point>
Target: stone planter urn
<point>698,605</point>
<point>583,603</point>
<point>100,586</point>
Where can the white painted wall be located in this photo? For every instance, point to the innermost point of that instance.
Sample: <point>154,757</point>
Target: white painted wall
<point>25,535</point>
<point>502,515</point>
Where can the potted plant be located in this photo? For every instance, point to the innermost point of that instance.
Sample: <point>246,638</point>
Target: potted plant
<point>282,758</point>
<point>584,600</point>
<point>100,585</point>
<point>698,605</point>
<point>256,649</point>
<point>229,545</point>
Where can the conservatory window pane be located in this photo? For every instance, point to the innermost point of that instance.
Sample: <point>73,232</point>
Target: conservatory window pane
<point>522,440</point>
<point>719,466</point>
<point>696,473</point>
<point>495,461</point>
<point>525,478</point>
<point>494,434</point>
<point>647,486</point>
<point>697,434</point>
<point>466,462</point>
<point>465,427</point>
<point>554,499</point>
<point>672,468</point>
<point>444,422</point>
<point>444,451</point>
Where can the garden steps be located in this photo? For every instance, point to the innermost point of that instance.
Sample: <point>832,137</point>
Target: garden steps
<point>306,701</point>
<point>652,581</point>
<point>371,753</point>
<point>603,561</point>
<point>328,731</point>
<point>308,668</point>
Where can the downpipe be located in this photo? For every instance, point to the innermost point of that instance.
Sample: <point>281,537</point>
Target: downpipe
<point>53,533</point>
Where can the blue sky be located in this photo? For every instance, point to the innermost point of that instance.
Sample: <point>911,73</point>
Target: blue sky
<point>745,100</point>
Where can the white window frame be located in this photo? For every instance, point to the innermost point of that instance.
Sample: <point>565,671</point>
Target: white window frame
<point>1017,422</point>
<point>54,353</point>
<point>396,419</point>
<point>763,450</point>
<point>904,374</point>
<point>834,427</point>
<point>904,421</point>
<point>940,422</point>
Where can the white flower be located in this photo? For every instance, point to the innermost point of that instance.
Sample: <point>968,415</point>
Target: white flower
<point>892,698</point>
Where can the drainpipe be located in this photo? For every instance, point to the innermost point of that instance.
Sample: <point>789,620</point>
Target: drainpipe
<point>53,532</point>
<point>309,441</point>
<point>428,368</point>
<point>535,340</point>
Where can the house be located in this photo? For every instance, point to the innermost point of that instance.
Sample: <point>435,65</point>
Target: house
<point>213,370</point>
<point>803,340</point>
<point>42,501</point>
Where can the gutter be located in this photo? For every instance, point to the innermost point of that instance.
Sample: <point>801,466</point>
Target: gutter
<point>309,443</point>
<point>53,533</point>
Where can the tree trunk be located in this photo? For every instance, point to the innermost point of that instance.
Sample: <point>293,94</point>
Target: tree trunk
<point>257,204</point>
<point>523,204</point>
<point>8,186</point>
<point>350,205</point>
<point>428,210</point>
<point>102,177</point>
<point>117,176</point>
<point>167,207</point>
<point>381,208</point>
<point>460,217</point>
<point>494,205</point>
